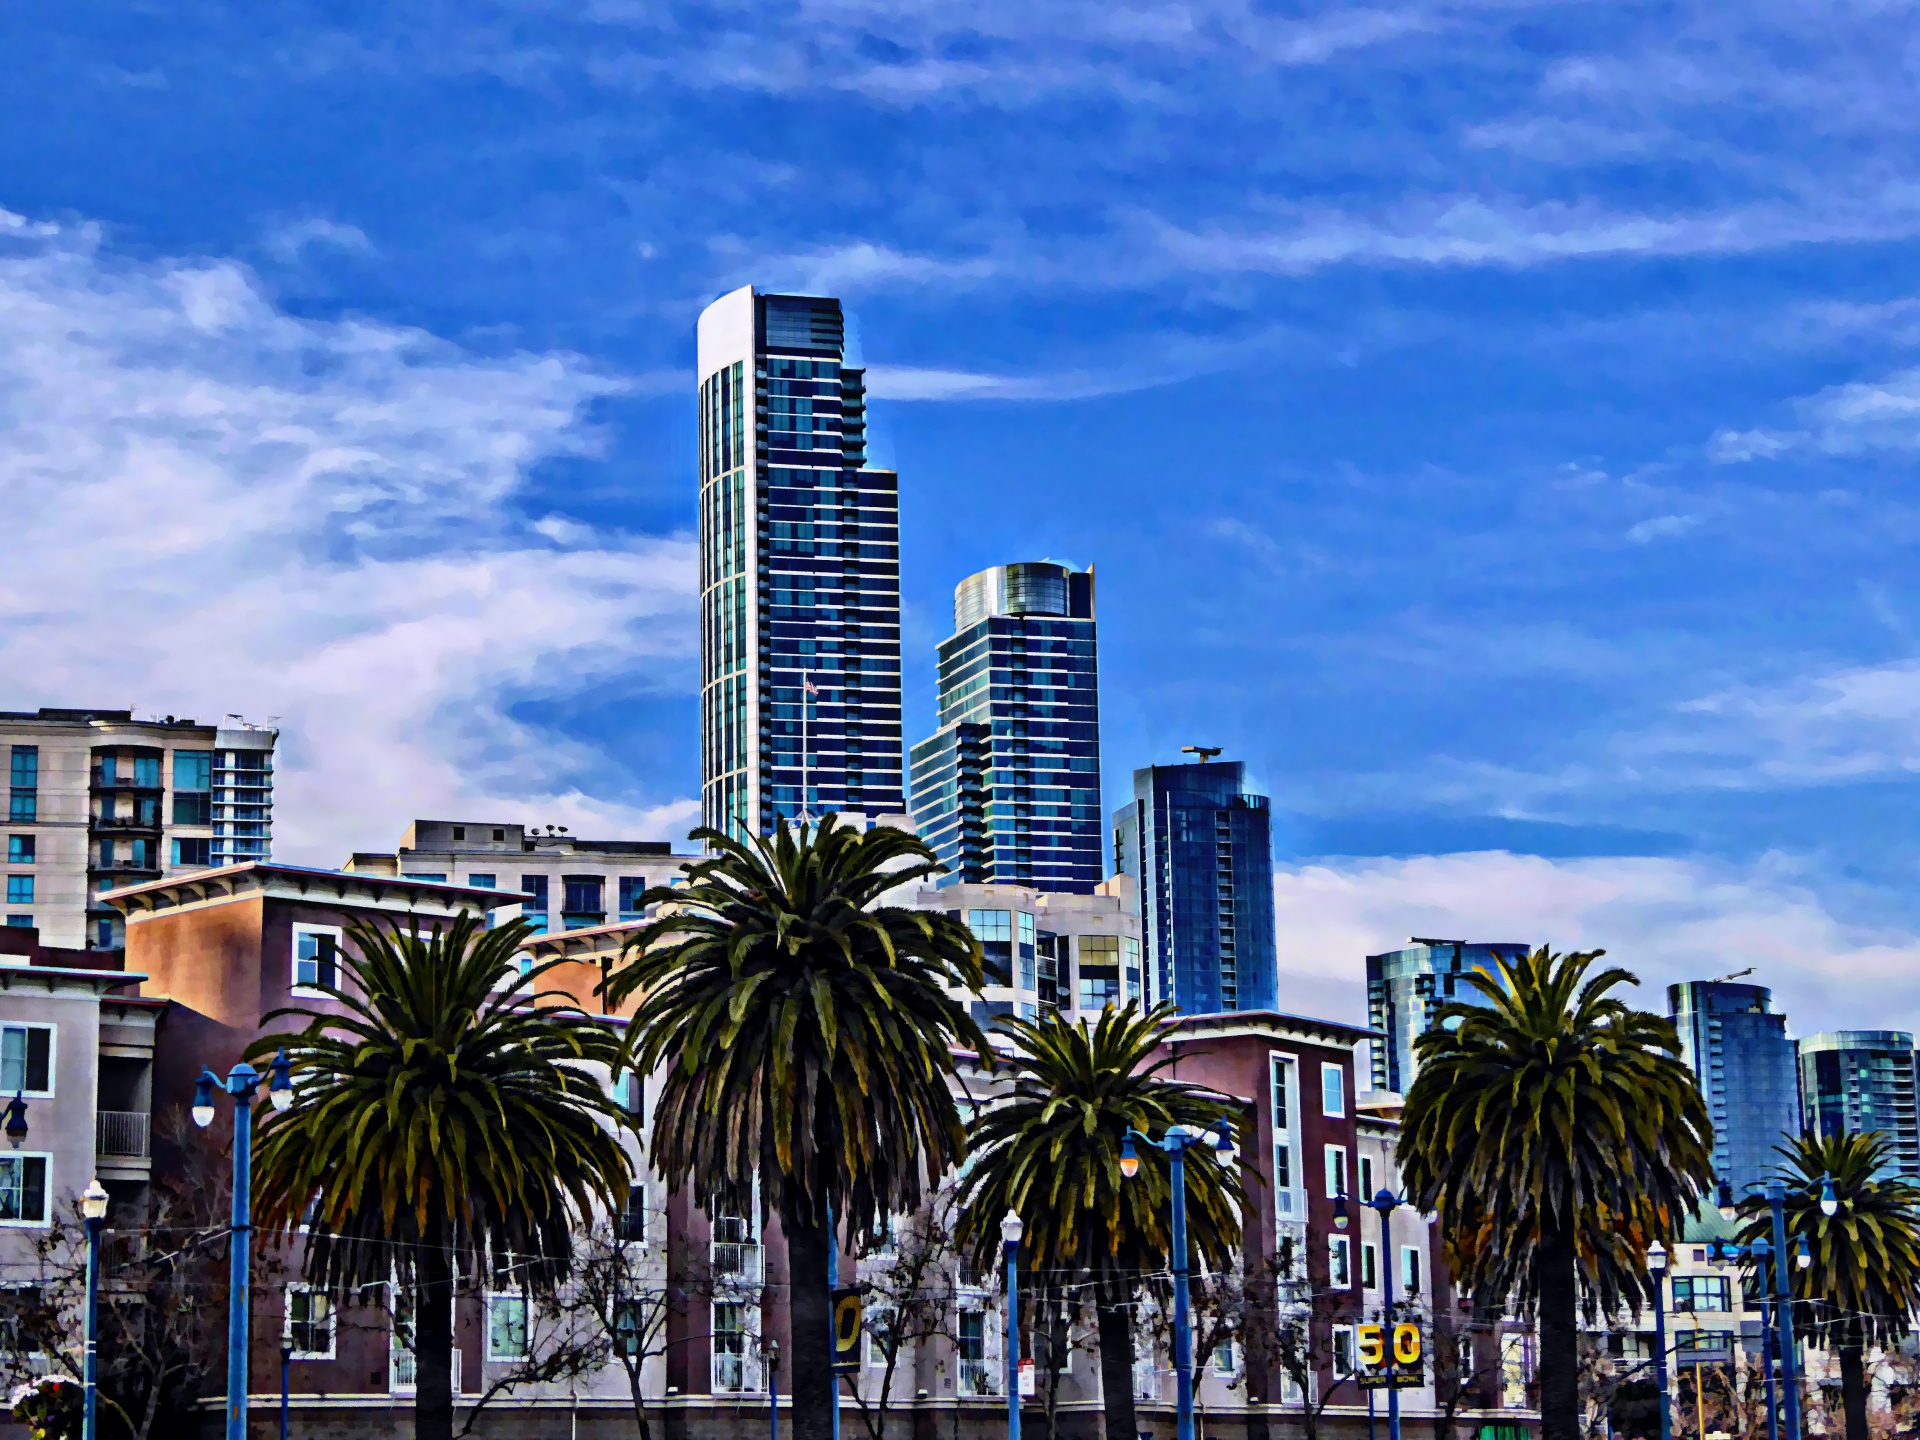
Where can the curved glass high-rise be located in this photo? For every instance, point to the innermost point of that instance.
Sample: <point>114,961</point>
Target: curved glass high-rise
<point>1749,1074</point>
<point>799,573</point>
<point>1008,790</point>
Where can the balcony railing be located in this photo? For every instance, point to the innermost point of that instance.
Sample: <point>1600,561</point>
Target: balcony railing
<point>403,1371</point>
<point>122,1132</point>
<point>126,822</point>
<point>977,1378</point>
<point>736,1262</point>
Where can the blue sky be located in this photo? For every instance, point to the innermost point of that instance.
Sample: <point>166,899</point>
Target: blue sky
<point>1492,421</point>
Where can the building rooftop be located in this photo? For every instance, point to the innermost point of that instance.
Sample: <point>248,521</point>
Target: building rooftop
<point>298,882</point>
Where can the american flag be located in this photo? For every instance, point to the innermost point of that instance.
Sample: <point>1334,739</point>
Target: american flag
<point>808,682</point>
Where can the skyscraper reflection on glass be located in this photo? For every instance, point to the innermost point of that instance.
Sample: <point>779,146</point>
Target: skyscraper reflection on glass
<point>1200,844</point>
<point>1738,1049</point>
<point>799,573</point>
<point>1008,790</point>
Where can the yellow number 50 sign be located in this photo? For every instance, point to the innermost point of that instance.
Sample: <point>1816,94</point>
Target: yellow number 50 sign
<point>1372,1340</point>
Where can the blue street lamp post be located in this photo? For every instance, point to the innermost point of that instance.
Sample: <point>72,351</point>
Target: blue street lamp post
<point>1657,1268</point>
<point>1011,1229</point>
<point>241,1084</point>
<point>1175,1144</point>
<point>1384,1204</point>
<point>1760,1252</point>
<point>93,1209</point>
<point>1783,1295</point>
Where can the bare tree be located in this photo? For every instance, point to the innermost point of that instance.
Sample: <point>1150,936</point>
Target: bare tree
<point>1288,1324</point>
<point>910,1298</point>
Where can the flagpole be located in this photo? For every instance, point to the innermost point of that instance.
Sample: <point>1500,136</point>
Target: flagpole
<point>806,691</point>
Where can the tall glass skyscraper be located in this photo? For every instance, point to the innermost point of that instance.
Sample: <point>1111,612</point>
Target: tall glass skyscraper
<point>1008,791</point>
<point>1200,844</point>
<point>1852,1080</point>
<point>1406,986</point>
<point>799,573</point>
<point>1749,1075</point>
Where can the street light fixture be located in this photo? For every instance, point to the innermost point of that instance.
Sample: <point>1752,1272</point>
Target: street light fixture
<point>1176,1142</point>
<point>1829,1202</point>
<point>93,1209</point>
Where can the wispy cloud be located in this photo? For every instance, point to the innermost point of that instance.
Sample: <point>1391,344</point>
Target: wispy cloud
<point>215,507</point>
<point>1665,919</point>
<point>1850,419</point>
<point>291,241</point>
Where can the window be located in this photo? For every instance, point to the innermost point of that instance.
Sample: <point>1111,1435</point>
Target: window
<point>1367,1188</point>
<point>1369,1266</point>
<point>459,832</point>
<point>1284,1179</point>
<point>629,1328</point>
<point>20,889</point>
<point>535,887</point>
<point>730,1336</point>
<point>580,900</point>
<point>316,957</point>
<point>1342,1351</point>
<point>1340,1262</point>
<point>506,1327</point>
<point>192,770</point>
<point>736,1247</point>
<point>994,930</point>
<point>26,1060</point>
<point>1702,1292</point>
<point>499,836</point>
<point>633,1216</point>
<point>632,887</point>
<point>192,852</point>
<point>146,771</point>
<point>310,1323</point>
<point>20,922</point>
<point>23,1189</point>
<point>1333,1089</point>
<point>1099,985</point>
<point>438,877</point>
<point>1409,1271</point>
<point>1224,1359</point>
<point>20,849</point>
<point>483,882</point>
<point>975,1376</point>
<point>25,773</point>
<point>192,809</point>
<point>1130,953</point>
<point>876,1332</point>
<point>1336,1170</point>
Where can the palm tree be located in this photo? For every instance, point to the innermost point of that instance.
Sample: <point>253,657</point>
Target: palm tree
<point>1865,1273</point>
<point>448,1114</point>
<point>1554,1130</point>
<point>806,1036</point>
<point>1050,1151</point>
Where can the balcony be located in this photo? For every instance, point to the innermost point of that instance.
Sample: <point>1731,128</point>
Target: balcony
<point>122,783</point>
<point>132,869</point>
<point>736,1261</point>
<point>122,1132</point>
<point>403,1371</point>
<point>125,824</point>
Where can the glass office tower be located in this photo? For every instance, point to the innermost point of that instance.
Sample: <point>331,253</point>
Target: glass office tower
<point>799,573</point>
<point>1853,1080</point>
<point>1008,790</point>
<point>1200,844</point>
<point>1749,1076</point>
<point>1406,986</point>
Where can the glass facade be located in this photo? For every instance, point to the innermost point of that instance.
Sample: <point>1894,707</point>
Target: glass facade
<point>1857,1080</point>
<point>1739,1050</point>
<point>1200,845</point>
<point>1405,987</point>
<point>799,573</point>
<point>1008,790</point>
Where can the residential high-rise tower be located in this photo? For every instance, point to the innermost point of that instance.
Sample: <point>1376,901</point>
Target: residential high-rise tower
<point>1008,790</point>
<point>1200,844</point>
<point>1406,986</point>
<point>97,799</point>
<point>799,572</point>
<point>1738,1048</point>
<point>1855,1080</point>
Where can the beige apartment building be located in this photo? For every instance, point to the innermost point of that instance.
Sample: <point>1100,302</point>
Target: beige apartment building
<point>570,884</point>
<point>97,799</point>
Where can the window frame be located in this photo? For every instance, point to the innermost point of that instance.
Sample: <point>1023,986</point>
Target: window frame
<point>1339,1262</point>
<point>1369,1265</point>
<point>1412,1272</point>
<point>21,890</point>
<point>1364,1177</point>
<point>23,849</point>
<point>1329,1153</point>
<point>27,1092</point>
<point>332,1322</point>
<point>302,927</point>
<point>1345,1359</point>
<point>1332,1070</point>
<point>45,1157</point>
<point>495,1300</point>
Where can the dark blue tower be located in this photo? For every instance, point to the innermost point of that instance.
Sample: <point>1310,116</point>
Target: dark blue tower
<point>1200,844</point>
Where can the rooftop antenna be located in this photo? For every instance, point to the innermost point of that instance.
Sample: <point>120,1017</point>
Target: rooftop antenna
<point>1202,752</point>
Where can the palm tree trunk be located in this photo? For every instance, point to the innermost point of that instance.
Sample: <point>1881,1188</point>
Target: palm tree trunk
<point>810,1327</point>
<point>433,1341</point>
<point>1556,1273</point>
<point>1853,1382</point>
<point>1113,1305</point>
